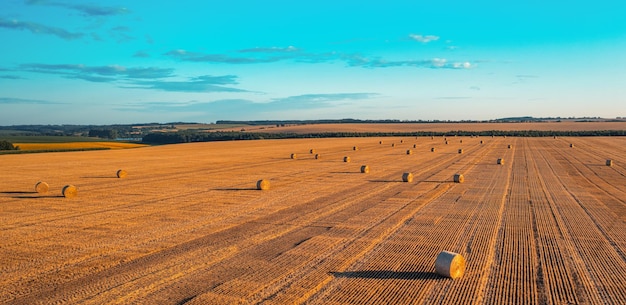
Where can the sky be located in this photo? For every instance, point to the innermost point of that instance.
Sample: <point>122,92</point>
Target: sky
<point>124,62</point>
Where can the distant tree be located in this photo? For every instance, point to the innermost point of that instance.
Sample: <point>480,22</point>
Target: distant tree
<point>6,145</point>
<point>103,133</point>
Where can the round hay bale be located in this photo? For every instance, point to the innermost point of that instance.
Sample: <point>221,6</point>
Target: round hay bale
<point>458,178</point>
<point>407,177</point>
<point>450,264</point>
<point>312,151</point>
<point>380,142</point>
<point>355,148</point>
<point>365,169</point>
<point>432,138</point>
<point>509,146</point>
<point>263,185</point>
<point>69,191</point>
<point>500,161</point>
<point>41,187</point>
<point>432,149</point>
<point>446,142</point>
<point>460,150</point>
<point>609,162</point>
<point>294,156</point>
<point>481,142</point>
<point>346,159</point>
<point>121,173</point>
<point>317,156</point>
<point>401,141</point>
<point>414,145</point>
<point>409,152</point>
<point>571,145</point>
<point>445,139</point>
<point>461,141</point>
<point>393,144</point>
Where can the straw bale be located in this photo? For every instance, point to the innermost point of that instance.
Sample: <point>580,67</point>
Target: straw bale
<point>365,169</point>
<point>69,191</point>
<point>458,178</point>
<point>407,177</point>
<point>263,185</point>
<point>450,264</point>
<point>41,187</point>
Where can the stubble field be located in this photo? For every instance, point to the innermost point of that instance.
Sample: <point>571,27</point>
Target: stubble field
<point>187,226</point>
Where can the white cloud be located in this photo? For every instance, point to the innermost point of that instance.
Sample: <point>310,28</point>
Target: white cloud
<point>423,38</point>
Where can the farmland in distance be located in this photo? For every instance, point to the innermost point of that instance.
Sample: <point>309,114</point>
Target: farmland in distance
<point>187,225</point>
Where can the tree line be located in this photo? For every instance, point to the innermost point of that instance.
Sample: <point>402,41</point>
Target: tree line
<point>188,136</point>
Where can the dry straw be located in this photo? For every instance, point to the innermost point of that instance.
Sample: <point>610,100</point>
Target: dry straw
<point>409,152</point>
<point>41,187</point>
<point>69,191</point>
<point>263,185</point>
<point>458,178</point>
<point>609,162</point>
<point>121,173</point>
<point>450,264</point>
<point>294,156</point>
<point>407,177</point>
<point>346,159</point>
<point>500,161</point>
<point>365,169</point>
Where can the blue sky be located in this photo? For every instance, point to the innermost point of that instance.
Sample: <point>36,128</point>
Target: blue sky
<point>106,62</point>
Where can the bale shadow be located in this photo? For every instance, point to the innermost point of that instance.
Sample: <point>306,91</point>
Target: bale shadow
<point>345,172</point>
<point>18,192</point>
<point>37,197</point>
<point>236,189</point>
<point>99,177</point>
<point>437,181</point>
<point>387,274</point>
<point>386,181</point>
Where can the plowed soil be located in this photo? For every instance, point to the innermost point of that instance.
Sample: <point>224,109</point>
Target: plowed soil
<point>187,225</point>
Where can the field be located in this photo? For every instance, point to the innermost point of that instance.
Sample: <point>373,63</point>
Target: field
<point>187,226</point>
<point>436,127</point>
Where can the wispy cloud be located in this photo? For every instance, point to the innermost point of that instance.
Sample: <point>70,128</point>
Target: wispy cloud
<point>85,9</point>
<point>121,34</point>
<point>222,58</point>
<point>246,107</point>
<point>12,100</point>
<point>99,73</point>
<point>11,77</point>
<point>434,63</point>
<point>205,83</point>
<point>154,78</point>
<point>288,49</point>
<point>141,54</point>
<point>37,28</point>
<point>423,38</point>
<point>274,54</point>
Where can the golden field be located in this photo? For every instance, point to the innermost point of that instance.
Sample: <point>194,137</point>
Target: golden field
<point>187,225</point>
<point>77,145</point>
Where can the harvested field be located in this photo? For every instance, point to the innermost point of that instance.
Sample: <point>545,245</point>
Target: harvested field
<point>189,226</point>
